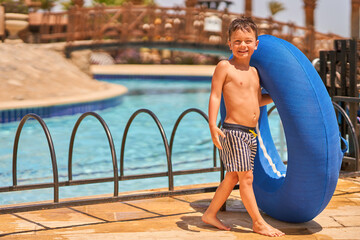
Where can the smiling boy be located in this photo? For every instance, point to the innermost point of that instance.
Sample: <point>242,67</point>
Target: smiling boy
<point>240,85</point>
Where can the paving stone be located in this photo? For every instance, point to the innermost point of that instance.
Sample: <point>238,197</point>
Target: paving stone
<point>54,218</point>
<point>115,211</point>
<point>351,233</point>
<point>11,223</point>
<point>348,221</point>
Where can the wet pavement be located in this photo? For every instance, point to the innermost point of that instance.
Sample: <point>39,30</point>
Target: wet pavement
<point>179,217</point>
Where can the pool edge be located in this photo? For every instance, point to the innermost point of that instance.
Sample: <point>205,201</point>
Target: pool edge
<point>12,111</point>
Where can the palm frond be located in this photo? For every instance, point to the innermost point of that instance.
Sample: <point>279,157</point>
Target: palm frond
<point>275,7</point>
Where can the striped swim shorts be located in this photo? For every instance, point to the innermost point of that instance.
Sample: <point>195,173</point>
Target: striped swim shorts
<point>238,147</point>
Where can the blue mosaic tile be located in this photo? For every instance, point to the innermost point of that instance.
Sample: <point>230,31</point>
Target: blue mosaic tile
<point>12,115</point>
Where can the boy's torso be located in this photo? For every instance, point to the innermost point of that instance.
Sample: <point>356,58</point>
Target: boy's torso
<point>241,95</point>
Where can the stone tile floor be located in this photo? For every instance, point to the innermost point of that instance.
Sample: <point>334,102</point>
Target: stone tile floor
<point>179,217</point>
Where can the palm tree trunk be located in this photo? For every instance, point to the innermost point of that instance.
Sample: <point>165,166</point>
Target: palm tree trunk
<point>248,8</point>
<point>309,6</point>
<point>355,19</point>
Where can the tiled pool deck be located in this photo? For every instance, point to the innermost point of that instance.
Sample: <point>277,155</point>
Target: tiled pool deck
<point>179,218</point>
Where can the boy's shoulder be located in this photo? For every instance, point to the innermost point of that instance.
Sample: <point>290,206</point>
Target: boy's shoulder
<point>254,69</point>
<point>223,63</point>
<point>223,66</point>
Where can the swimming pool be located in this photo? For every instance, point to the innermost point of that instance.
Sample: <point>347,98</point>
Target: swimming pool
<point>144,151</point>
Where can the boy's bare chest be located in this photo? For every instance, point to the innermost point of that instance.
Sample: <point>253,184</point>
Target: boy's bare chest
<point>242,80</point>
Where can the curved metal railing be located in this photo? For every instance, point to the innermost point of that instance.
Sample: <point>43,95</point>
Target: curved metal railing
<point>222,169</point>
<point>351,128</point>
<point>182,115</point>
<point>111,145</point>
<point>271,110</point>
<point>116,178</point>
<point>166,145</point>
<point>201,170</point>
<point>51,148</point>
<point>352,132</point>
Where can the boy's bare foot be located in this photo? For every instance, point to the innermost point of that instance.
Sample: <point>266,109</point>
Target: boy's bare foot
<point>265,229</point>
<point>214,221</point>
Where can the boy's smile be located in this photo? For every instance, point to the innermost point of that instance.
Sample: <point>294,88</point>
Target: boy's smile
<point>243,52</point>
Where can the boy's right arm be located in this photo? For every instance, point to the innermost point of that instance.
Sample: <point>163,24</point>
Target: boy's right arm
<point>217,83</point>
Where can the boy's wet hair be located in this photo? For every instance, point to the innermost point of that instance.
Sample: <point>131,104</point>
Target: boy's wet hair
<point>243,24</point>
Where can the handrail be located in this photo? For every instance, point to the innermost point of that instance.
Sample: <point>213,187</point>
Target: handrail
<point>222,169</point>
<point>351,128</point>
<point>352,131</point>
<point>79,28</point>
<point>271,110</point>
<point>215,149</point>
<point>166,145</point>
<point>182,115</point>
<point>51,148</point>
<point>111,145</point>
<point>70,182</point>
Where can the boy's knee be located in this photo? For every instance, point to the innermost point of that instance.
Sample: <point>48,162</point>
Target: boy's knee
<point>246,178</point>
<point>232,177</point>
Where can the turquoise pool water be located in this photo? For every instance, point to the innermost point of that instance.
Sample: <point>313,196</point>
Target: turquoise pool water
<point>144,151</point>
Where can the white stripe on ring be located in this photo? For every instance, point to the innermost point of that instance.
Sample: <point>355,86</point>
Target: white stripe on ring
<point>266,155</point>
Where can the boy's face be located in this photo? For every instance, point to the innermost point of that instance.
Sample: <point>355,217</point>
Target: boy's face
<point>243,43</point>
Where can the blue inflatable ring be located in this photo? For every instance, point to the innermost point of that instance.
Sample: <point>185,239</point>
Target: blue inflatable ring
<point>299,191</point>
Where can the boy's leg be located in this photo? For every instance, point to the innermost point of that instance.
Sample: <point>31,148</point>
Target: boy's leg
<point>221,194</point>
<point>249,201</point>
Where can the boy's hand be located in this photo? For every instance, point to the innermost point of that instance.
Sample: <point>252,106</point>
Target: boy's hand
<point>215,132</point>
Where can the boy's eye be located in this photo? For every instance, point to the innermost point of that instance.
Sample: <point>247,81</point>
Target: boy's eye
<point>238,42</point>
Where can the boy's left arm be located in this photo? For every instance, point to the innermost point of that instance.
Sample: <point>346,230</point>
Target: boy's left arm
<point>264,99</point>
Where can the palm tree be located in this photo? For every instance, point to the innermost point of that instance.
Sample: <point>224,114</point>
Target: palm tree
<point>47,5</point>
<point>275,7</point>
